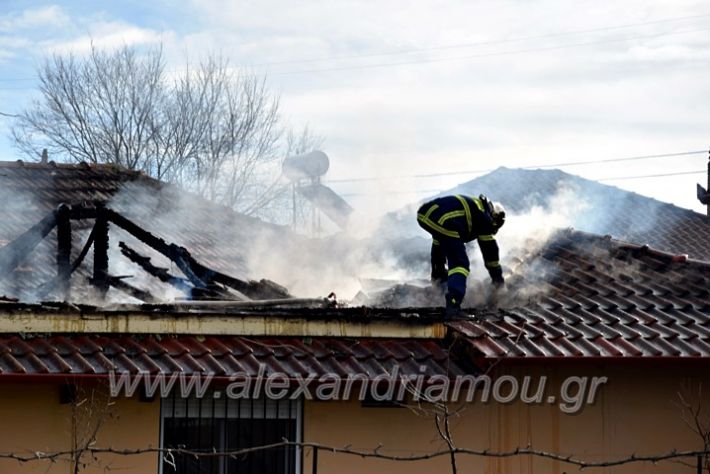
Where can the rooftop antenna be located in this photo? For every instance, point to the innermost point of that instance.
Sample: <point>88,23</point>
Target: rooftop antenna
<point>703,193</point>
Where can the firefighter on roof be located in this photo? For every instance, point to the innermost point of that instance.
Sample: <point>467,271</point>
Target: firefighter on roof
<point>452,221</point>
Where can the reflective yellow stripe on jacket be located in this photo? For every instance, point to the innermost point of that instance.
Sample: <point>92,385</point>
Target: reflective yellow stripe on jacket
<point>467,212</point>
<point>436,227</point>
<point>460,270</point>
<point>451,215</point>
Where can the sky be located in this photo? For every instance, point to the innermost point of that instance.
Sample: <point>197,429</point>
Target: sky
<point>424,94</point>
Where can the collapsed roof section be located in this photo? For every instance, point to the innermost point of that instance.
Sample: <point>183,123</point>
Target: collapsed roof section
<point>215,235</point>
<point>199,281</point>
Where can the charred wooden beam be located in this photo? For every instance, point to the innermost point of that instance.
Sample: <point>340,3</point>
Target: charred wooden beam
<point>84,211</point>
<point>129,289</point>
<point>14,253</point>
<point>47,287</point>
<point>160,273</point>
<point>194,292</point>
<point>63,249</point>
<point>100,277</point>
<point>171,251</point>
<point>198,274</point>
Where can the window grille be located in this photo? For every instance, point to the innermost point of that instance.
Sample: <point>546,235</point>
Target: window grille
<point>216,423</point>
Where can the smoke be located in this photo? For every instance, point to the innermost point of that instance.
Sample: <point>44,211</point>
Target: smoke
<point>213,234</point>
<point>525,235</point>
<point>372,264</point>
<point>22,209</point>
<point>375,261</point>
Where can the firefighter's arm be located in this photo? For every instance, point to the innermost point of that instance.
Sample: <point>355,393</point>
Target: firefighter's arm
<point>491,257</point>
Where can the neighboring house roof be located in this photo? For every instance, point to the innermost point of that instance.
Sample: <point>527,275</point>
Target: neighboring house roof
<point>221,356</point>
<point>587,205</point>
<point>591,296</point>
<point>603,209</point>
<point>215,235</point>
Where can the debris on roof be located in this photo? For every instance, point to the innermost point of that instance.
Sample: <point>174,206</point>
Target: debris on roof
<point>204,282</point>
<point>598,298</point>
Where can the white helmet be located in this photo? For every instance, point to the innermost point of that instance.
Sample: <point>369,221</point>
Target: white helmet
<point>498,215</point>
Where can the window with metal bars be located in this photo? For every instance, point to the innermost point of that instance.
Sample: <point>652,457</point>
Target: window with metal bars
<point>215,423</point>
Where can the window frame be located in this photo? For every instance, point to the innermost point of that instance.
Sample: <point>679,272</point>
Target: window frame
<point>298,409</point>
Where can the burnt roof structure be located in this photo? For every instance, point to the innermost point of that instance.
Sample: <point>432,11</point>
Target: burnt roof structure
<point>579,297</point>
<point>214,235</point>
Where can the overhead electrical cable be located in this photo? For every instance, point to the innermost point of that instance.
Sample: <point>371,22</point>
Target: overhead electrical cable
<point>553,165</point>
<point>480,43</point>
<point>615,178</point>
<point>487,55</point>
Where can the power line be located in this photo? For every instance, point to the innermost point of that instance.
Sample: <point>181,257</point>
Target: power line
<point>479,43</point>
<point>460,58</point>
<point>554,165</point>
<point>486,55</point>
<point>660,175</point>
<point>615,178</point>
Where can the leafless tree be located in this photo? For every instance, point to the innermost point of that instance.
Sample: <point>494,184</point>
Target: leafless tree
<point>691,409</point>
<point>98,109</point>
<point>91,408</point>
<point>210,129</point>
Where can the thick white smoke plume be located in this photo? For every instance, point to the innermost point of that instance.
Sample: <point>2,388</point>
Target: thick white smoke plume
<point>347,263</point>
<point>372,255</point>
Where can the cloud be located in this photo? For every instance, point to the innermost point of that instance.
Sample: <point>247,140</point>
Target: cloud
<point>107,35</point>
<point>50,16</point>
<point>485,83</point>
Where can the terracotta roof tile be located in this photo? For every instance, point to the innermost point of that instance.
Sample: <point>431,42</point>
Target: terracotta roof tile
<point>661,312</point>
<point>214,355</point>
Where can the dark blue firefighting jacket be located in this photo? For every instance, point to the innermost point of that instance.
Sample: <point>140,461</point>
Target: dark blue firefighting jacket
<point>463,218</point>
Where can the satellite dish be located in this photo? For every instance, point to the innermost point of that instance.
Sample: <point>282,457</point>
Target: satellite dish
<point>308,165</point>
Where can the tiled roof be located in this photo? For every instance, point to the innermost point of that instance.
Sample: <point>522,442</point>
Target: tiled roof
<point>216,236</point>
<point>591,296</point>
<point>220,356</point>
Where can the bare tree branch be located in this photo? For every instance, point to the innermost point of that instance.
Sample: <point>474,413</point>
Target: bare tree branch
<point>209,129</point>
